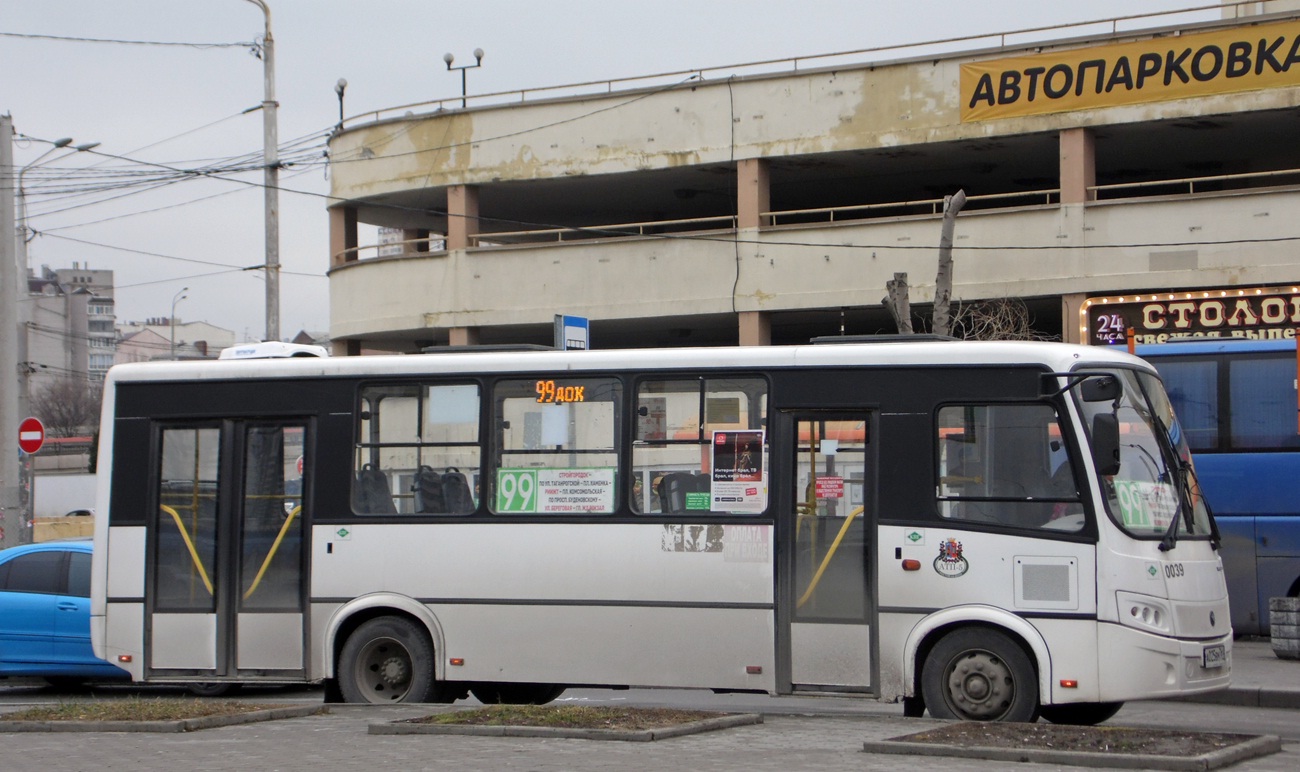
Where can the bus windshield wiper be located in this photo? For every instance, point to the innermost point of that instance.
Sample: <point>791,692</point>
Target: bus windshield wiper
<point>1177,470</point>
<point>1190,479</point>
<point>1170,539</point>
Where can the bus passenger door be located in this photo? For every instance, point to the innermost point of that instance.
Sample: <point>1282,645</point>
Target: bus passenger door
<point>226,574</point>
<point>827,598</point>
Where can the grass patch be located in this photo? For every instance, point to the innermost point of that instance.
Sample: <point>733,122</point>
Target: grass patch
<point>135,709</point>
<point>1089,739</point>
<point>568,717</point>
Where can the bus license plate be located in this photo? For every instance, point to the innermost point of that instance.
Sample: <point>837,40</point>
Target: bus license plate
<point>1214,656</point>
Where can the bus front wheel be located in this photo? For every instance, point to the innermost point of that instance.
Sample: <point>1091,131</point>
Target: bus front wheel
<point>387,660</point>
<point>976,674</point>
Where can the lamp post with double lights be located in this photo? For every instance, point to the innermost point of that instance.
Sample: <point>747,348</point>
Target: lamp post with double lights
<point>25,235</point>
<point>14,524</point>
<point>178,297</point>
<point>478,62</point>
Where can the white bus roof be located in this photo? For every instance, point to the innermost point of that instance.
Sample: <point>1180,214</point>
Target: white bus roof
<point>272,349</point>
<point>1056,356</point>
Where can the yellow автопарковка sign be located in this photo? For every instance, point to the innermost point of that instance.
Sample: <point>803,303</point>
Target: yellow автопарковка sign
<point>1160,69</point>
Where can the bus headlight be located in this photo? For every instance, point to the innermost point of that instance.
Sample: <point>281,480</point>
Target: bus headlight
<point>1144,612</point>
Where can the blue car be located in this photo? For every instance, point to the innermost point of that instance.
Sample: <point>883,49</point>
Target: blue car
<point>45,614</point>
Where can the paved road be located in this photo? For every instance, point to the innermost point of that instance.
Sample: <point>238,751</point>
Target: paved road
<point>798,733</point>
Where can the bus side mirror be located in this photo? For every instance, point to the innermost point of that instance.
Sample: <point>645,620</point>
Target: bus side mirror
<point>1101,388</point>
<point>1105,443</point>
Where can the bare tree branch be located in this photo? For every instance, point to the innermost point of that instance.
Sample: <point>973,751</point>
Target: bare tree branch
<point>997,319</point>
<point>68,407</point>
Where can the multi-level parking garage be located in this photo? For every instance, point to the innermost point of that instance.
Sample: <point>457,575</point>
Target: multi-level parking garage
<point>1155,158</point>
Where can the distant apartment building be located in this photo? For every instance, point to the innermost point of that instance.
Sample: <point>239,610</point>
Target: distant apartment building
<point>70,331</point>
<point>164,338</point>
<point>67,323</point>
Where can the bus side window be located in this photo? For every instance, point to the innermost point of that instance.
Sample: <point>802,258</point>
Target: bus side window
<point>417,450</point>
<point>686,425</point>
<point>1006,464</point>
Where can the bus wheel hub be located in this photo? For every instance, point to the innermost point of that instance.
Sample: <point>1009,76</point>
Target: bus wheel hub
<point>394,671</point>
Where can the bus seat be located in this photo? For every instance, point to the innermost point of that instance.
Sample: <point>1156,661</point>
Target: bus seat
<point>371,494</point>
<point>674,486</point>
<point>427,486</point>
<point>442,493</point>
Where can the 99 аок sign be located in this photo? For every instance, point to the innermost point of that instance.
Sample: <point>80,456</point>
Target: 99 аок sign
<point>1260,313</point>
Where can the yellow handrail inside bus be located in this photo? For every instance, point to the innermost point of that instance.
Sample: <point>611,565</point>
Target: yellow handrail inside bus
<point>271,553</point>
<point>189,544</point>
<point>830,553</point>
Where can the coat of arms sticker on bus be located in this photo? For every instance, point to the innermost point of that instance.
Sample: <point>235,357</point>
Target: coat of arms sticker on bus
<point>950,562</point>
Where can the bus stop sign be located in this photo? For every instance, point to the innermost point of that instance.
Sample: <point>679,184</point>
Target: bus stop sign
<point>31,435</point>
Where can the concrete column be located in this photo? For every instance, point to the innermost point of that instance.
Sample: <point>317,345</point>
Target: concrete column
<point>1070,320</point>
<point>345,348</point>
<point>753,192</point>
<point>755,328</point>
<point>343,235</point>
<point>420,236</point>
<point>1078,165</point>
<point>463,336</point>
<point>462,216</point>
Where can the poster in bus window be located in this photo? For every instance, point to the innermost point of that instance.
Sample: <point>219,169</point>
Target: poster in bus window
<point>737,481</point>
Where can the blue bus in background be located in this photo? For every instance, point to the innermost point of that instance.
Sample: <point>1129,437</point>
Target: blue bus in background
<point>1236,404</point>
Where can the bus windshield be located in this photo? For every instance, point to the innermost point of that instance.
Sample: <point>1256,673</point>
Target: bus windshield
<point>1156,484</point>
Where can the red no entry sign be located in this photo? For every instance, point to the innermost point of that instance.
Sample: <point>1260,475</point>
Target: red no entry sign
<point>31,435</point>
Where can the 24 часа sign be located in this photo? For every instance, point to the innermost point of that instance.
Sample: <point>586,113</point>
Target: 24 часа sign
<point>1262,313</point>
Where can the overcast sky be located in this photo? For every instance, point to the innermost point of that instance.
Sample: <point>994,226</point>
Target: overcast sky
<point>175,109</point>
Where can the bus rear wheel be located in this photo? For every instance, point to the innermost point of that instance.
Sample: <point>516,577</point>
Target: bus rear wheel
<point>977,674</point>
<point>516,694</point>
<point>1081,713</point>
<point>387,660</point>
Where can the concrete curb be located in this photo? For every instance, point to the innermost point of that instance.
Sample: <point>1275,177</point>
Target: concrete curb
<point>1252,748</point>
<point>645,735</point>
<point>179,725</point>
<point>1250,697</point>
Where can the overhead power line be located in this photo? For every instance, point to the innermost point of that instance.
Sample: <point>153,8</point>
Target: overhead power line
<point>72,39</point>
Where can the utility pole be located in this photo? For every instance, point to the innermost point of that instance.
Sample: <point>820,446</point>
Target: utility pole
<point>11,508</point>
<point>271,159</point>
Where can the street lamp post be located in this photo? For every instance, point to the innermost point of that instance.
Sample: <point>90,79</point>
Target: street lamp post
<point>339,88</point>
<point>13,379</point>
<point>11,525</point>
<point>178,297</point>
<point>24,237</point>
<point>271,160</point>
<point>25,233</point>
<point>478,62</point>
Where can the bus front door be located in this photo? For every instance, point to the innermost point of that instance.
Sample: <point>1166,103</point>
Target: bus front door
<point>827,599</point>
<point>226,561</point>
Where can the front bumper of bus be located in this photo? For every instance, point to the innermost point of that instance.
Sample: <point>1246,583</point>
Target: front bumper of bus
<point>1138,665</point>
